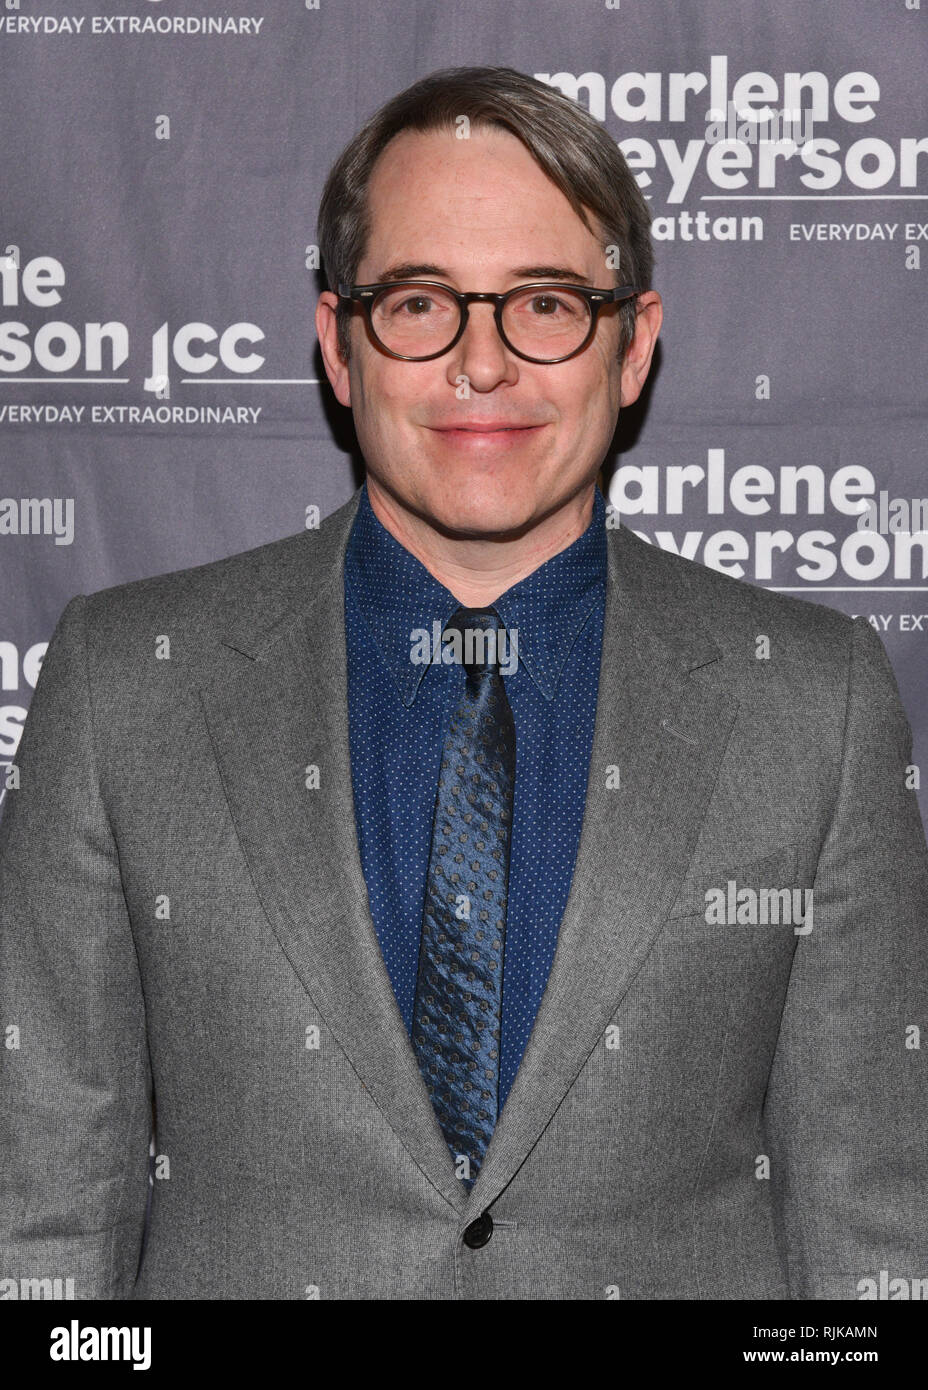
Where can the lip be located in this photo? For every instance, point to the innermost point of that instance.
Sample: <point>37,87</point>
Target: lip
<point>491,434</point>
<point>483,427</point>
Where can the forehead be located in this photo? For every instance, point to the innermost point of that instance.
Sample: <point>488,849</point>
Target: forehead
<point>479,201</point>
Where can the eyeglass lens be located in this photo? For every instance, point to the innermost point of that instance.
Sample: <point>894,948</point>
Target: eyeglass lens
<point>416,321</point>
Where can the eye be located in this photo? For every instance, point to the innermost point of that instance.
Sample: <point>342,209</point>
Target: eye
<point>548,305</point>
<point>416,305</point>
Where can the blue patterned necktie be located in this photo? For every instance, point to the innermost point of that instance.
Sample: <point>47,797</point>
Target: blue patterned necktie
<point>459,988</point>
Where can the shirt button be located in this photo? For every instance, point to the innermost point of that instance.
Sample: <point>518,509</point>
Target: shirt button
<point>479,1232</point>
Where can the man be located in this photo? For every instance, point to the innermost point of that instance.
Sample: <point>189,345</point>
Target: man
<point>493,906</point>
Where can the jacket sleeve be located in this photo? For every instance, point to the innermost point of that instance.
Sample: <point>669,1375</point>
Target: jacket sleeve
<point>75,1081</point>
<point>846,1110</point>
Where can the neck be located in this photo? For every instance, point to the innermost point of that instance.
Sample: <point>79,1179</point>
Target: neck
<point>478,570</point>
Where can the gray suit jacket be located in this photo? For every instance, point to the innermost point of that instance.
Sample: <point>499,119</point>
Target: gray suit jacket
<point>706,1109</point>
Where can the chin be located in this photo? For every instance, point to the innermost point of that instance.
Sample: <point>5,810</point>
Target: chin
<point>486,516</point>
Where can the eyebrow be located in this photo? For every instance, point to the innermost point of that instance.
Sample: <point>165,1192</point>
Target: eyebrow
<point>408,270</point>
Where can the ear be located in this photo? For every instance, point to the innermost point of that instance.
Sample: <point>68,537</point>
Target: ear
<point>637,360</point>
<point>336,368</point>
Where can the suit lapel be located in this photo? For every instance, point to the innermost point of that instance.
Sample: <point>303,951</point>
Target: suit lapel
<point>665,731</point>
<point>278,704</point>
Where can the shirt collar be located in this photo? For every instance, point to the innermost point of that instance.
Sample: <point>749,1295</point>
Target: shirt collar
<point>396,594</point>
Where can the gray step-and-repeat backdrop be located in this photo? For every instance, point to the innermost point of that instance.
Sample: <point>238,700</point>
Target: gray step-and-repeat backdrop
<point>162,398</point>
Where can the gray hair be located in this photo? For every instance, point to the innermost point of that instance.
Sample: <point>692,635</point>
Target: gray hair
<point>576,153</point>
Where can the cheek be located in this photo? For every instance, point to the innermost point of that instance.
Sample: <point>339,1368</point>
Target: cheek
<point>594,391</point>
<point>397,386</point>
<point>376,391</point>
<point>609,377</point>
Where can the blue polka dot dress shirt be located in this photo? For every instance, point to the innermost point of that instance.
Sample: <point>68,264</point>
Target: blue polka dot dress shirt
<point>399,711</point>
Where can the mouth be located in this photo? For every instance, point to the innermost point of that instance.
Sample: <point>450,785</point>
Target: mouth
<point>482,436</point>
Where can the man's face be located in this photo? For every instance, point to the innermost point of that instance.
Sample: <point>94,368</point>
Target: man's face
<point>478,214</point>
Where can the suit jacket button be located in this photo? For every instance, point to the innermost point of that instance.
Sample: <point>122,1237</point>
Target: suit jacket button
<point>479,1231</point>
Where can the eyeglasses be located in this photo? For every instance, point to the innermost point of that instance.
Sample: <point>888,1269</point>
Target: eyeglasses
<point>416,320</point>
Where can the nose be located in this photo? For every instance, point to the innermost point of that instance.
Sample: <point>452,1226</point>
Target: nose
<point>481,355</point>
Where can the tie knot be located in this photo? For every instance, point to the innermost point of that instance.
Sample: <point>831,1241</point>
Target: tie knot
<point>479,635</point>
